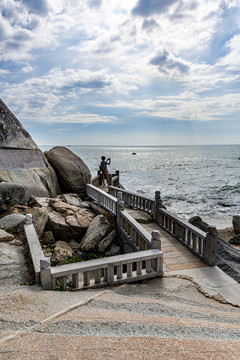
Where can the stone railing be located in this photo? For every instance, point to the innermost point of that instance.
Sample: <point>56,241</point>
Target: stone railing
<point>134,200</point>
<point>112,270</point>
<point>113,179</point>
<point>201,243</point>
<point>104,199</point>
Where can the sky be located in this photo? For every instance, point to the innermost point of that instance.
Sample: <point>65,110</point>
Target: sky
<point>122,72</point>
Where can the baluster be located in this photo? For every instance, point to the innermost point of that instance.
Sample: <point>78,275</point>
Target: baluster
<point>97,276</point>
<point>75,280</point>
<point>110,274</point>
<point>119,271</point>
<point>184,235</point>
<point>148,266</point>
<point>199,245</point>
<point>129,270</point>
<point>189,236</point>
<point>139,267</point>
<point>194,244</point>
<point>86,278</point>
<point>63,282</point>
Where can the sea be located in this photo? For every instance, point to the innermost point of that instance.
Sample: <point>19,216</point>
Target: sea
<point>201,180</point>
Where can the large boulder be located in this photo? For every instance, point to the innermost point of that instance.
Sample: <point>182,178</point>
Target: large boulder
<point>73,174</point>
<point>235,240</point>
<point>107,241</point>
<point>236,224</point>
<point>22,164</point>
<point>95,232</point>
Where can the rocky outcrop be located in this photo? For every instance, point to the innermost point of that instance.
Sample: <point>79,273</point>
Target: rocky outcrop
<point>65,221</point>
<point>23,169</point>
<point>95,232</point>
<point>73,174</point>
<point>12,133</point>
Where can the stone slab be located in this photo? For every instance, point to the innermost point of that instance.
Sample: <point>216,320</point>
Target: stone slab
<point>21,159</point>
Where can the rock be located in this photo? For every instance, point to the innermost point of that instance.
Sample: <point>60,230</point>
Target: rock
<point>13,222</point>
<point>236,224</point>
<point>22,163</point>
<point>62,207</point>
<point>12,266</point>
<point>199,223</point>
<point>95,232</point>
<point>74,245</point>
<point>107,241</point>
<point>12,133</point>
<point>60,228</point>
<point>36,201</point>
<point>72,172</point>
<point>62,252</point>
<point>11,194</point>
<point>48,238</point>
<point>72,199</point>
<point>40,218</point>
<point>113,251</point>
<point>235,240</point>
<point>4,236</point>
<point>98,209</point>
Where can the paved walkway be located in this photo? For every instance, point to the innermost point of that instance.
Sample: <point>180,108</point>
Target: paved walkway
<point>180,261</point>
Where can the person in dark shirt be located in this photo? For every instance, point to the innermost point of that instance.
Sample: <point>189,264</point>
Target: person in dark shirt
<point>104,169</point>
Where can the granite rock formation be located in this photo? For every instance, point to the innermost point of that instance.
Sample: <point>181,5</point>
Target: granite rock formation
<point>73,174</point>
<point>23,169</point>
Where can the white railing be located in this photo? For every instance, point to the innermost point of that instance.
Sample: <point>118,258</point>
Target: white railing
<point>134,200</point>
<point>201,243</point>
<point>113,179</point>
<point>131,230</point>
<point>104,199</point>
<point>112,270</point>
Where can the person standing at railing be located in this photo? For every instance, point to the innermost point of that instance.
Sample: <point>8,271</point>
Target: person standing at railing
<point>104,169</point>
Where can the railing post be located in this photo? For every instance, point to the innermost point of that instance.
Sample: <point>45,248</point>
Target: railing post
<point>120,206</point>
<point>158,204</point>
<point>117,174</point>
<point>211,244</point>
<point>45,274</point>
<point>156,241</point>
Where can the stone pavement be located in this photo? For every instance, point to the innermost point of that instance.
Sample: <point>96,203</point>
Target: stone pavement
<point>180,261</point>
<point>164,318</point>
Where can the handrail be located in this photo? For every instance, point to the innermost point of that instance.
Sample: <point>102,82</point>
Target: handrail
<point>106,200</point>
<point>201,243</point>
<point>134,232</point>
<point>110,271</point>
<point>135,200</point>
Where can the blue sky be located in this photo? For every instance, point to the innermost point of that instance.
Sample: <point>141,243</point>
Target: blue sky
<point>122,72</point>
